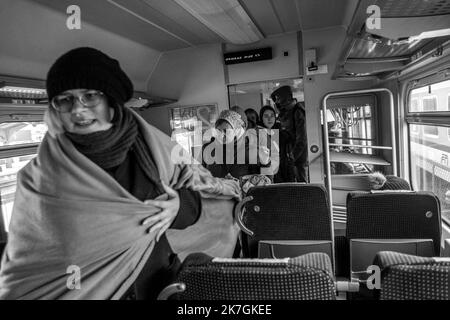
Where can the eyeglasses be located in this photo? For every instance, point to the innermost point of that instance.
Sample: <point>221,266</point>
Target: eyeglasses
<point>65,102</point>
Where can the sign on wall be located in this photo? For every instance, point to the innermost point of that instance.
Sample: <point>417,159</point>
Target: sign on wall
<point>185,120</point>
<point>184,117</point>
<point>248,56</point>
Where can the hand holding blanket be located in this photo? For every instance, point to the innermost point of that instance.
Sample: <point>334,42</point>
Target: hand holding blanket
<point>71,218</point>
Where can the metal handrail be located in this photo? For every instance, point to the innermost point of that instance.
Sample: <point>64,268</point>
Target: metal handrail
<point>358,146</point>
<point>327,145</point>
<point>171,290</point>
<point>239,215</point>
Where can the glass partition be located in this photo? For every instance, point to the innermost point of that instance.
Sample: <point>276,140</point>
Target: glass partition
<point>255,95</point>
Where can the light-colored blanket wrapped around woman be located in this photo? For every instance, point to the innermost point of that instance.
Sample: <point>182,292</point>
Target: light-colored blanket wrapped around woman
<point>76,233</point>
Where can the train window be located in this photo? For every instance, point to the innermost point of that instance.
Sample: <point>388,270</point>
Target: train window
<point>429,105</point>
<point>434,98</point>
<point>190,125</point>
<point>255,95</point>
<point>429,141</point>
<point>16,133</point>
<point>9,167</point>
<point>18,145</point>
<point>414,108</point>
<point>448,108</point>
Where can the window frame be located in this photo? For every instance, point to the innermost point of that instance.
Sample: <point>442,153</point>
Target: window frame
<point>20,113</point>
<point>17,113</point>
<point>418,128</point>
<point>422,118</point>
<point>448,108</point>
<point>439,118</point>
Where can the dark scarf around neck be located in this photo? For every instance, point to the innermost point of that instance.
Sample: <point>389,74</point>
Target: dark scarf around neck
<point>109,148</point>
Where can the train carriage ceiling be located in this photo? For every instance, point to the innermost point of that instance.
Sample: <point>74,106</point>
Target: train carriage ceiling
<point>165,25</point>
<point>30,38</point>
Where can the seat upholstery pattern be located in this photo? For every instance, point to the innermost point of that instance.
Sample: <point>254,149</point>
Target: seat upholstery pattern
<point>287,211</point>
<point>293,211</point>
<point>394,215</point>
<point>308,277</point>
<point>408,277</point>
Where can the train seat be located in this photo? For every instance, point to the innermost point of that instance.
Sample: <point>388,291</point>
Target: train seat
<point>202,277</point>
<point>409,277</point>
<point>394,215</point>
<point>405,222</point>
<point>287,214</point>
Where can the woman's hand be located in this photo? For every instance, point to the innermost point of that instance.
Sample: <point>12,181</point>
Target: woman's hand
<point>264,155</point>
<point>169,209</point>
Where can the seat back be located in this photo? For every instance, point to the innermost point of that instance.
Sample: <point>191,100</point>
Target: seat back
<point>363,251</point>
<point>308,277</point>
<point>276,249</point>
<point>409,277</point>
<point>394,215</point>
<point>286,211</point>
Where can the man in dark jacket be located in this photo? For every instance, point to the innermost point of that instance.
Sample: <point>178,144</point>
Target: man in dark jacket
<point>293,139</point>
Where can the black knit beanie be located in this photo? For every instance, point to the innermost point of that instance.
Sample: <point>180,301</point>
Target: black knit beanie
<point>89,68</point>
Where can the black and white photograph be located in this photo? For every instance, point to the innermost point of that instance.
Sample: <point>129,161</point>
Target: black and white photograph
<point>225,158</point>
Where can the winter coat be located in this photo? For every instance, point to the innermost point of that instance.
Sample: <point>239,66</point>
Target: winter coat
<point>294,143</point>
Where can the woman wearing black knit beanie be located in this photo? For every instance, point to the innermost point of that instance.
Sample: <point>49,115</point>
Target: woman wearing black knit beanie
<point>97,196</point>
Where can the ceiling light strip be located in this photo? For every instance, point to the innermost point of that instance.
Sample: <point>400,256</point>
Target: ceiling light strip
<point>227,18</point>
<point>251,17</point>
<point>201,19</point>
<point>12,89</point>
<point>149,22</point>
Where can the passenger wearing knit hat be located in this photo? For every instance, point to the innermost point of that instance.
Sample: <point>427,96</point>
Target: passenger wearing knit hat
<point>107,140</point>
<point>89,68</point>
<point>91,90</point>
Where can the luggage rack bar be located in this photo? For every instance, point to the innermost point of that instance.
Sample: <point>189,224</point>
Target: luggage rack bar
<point>358,146</point>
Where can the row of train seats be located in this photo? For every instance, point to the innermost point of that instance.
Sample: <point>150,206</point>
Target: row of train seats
<point>289,252</point>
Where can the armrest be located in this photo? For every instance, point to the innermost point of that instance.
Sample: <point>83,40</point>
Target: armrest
<point>170,290</point>
<point>363,251</point>
<point>385,259</point>
<point>346,286</point>
<point>446,252</point>
<point>239,214</point>
<point>293,248</point>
